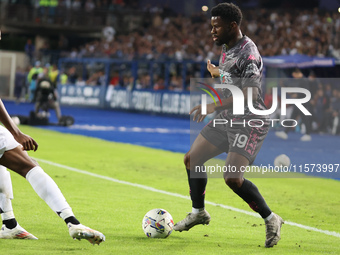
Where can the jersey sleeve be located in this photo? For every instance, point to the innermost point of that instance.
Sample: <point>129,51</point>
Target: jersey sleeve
<point>250,65</point>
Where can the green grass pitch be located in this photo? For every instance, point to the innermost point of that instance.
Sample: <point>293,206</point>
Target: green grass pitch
<point>117,209</point>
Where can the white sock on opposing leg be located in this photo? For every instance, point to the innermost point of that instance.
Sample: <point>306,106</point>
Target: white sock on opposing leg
<point>48,190</point>
<point>269,217</point>
<point>197,210</point>
<point>6,194</point>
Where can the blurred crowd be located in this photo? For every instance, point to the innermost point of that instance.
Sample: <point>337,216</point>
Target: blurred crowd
<point>67,12</point>
<point>161,34</point>
<point>162,37</point>
<point>324,104</point>
<point>308,32</point>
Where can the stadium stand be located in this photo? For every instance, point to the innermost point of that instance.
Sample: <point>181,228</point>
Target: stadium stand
<point>154,48</point>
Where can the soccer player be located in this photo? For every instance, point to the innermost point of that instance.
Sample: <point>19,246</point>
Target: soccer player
<point>240,65</point>
<point>10,227</point>
<point>13,155</point>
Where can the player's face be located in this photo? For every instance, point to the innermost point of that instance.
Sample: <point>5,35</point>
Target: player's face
<point>220,31</point>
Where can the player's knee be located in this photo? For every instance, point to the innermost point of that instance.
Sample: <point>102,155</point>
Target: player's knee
<point>27,166</point>
<point>187,160</point>
<point>35,163</point>
<point>233,183</point>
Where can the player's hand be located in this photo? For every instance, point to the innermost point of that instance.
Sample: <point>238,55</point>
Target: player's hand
<point>27,142</point>
<point>198,112</point>
<point>212,69</point>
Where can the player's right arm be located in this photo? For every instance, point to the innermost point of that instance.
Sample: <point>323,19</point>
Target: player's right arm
<point>215,73</point>
<point>26,141</point>
<point>227,103</point>
<point>199,117</point>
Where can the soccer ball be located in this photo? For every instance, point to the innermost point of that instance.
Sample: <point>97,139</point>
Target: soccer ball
<point>282,160</point>
<point>157,223</point>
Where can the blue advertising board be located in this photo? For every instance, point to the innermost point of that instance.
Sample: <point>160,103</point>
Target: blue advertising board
<point>81,95</point>
<point>162,102</point>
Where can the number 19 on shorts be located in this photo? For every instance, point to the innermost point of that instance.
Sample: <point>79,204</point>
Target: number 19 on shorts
<point>240,141</point>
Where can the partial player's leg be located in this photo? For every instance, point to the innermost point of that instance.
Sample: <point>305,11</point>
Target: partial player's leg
<point>251,195</point>
<point>10,227</point>
<point>200,151</point>
<point>245,143</point>
<point>18,160</point>
<point>243,187</point>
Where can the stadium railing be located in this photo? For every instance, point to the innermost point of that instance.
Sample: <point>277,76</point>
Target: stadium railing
<point>136,68</point>
<point>130,98</point>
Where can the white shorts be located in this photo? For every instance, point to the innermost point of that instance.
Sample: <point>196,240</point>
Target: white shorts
<point>7,141</point>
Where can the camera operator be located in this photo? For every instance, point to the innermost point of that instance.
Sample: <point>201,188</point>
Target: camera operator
<point>46,95</point>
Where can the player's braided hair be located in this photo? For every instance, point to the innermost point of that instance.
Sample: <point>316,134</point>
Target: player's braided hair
<point>228,12</point>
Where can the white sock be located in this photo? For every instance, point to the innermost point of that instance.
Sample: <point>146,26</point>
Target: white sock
<point>6,194</point>
<point>7,215</point>
<point>197,210</point>
<point>48,190</point>
<point>66,213</point>
<point>269,217</point>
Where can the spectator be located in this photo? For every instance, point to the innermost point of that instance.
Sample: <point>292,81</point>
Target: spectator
<point>46,95</point>
<point>74,53</point>
<point>175,83</point>
<point>53,74</point>
<point>20,80</point>
<point>145,82</point>
<point>63,78</point>
<point>320,108</point>
<point>89,6</point>
<point>30,51</point>
<point>93,80</point>
<point>299,81</point>
<point>72,75</point>
<point>115,79</point>
<point>313,83</point>
<point>31,78</point>
<point>80,81</point>
<point>76,5</point>
<point>101,78</point>
<point>32,87</point>
<point>335,113</point>
<point>159,85</point>
<point>63,42</point>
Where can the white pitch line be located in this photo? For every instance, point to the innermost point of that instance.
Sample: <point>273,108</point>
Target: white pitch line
<point>327,232</point>
<point>131,129</point>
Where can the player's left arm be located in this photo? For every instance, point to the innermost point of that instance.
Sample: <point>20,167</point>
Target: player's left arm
<point>250,67</point>
<point>214,71</point>
<point>26,141</point>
